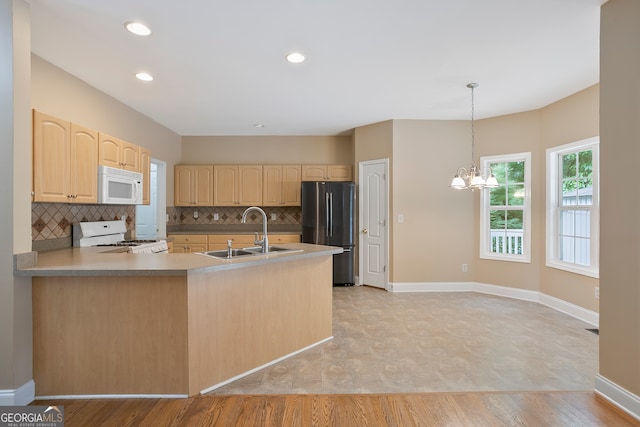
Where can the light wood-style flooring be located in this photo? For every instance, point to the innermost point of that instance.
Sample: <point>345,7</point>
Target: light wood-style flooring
<point>419,359</point>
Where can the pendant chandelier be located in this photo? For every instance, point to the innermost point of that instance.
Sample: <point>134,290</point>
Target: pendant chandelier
<point>472,178</point>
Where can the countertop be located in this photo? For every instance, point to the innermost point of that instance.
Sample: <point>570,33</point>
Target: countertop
<point>100,261</point>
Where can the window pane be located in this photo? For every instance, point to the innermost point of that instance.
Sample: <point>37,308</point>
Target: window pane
<point>498,196</point>
<point>566,249</point>
<point>515,172</point>
<point>516,194</point>
<point>498,169</point>
<point>583,224</point>
<point>498,220</point>
<point>582,255</point>
<point>567,223</point>
<point>569,166</point>
<point>514,220</point>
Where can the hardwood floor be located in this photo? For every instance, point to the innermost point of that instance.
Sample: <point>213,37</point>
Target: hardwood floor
<point>424,409</point>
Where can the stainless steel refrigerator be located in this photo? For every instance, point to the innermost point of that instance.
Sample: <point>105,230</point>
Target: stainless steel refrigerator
<point>328,219</point>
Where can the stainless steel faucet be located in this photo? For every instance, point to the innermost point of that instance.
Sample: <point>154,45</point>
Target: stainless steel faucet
<point>265,240</point>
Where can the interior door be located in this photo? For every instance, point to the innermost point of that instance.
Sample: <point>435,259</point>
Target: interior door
<point>373,223</point>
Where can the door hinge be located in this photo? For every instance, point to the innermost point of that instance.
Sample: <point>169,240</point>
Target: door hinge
<point>384,268</point>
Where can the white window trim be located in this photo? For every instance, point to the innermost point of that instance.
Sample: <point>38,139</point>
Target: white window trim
<point>552,211</point>
<point>485,252</point>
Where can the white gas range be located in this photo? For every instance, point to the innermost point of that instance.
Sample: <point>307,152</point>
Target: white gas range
<point>111,233</point>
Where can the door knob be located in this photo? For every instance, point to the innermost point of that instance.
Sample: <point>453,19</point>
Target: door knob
<point>364,231</point>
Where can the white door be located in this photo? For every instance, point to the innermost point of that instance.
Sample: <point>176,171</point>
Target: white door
<point>373,223</point>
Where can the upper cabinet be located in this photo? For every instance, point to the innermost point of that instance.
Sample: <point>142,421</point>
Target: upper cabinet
<point>65,161</point>
<point>281,185</point>
<point>237,185</point>
<point>327,173</point>
<point>120,154</point>
<point>193,185</point>
<point>145,167</point>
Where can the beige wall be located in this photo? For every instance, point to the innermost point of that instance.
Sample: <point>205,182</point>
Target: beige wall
<point>267,149</point>
<point>514,133</point>
<point>57,92</point>
<point>15,169</point>
<point>436,237</point>
<point>620,204</point>
<point>572,119</point>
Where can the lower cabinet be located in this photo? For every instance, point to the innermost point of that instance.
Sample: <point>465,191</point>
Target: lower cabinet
<point>186,243</point>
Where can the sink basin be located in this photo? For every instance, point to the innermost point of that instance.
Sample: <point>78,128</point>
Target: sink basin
<point>223,253</point>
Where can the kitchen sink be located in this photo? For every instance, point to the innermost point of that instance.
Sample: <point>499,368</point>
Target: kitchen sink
<point>224,253</point>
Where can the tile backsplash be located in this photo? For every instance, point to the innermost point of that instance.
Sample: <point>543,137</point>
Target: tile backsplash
<point>233,215</point>
<point>52,222</point>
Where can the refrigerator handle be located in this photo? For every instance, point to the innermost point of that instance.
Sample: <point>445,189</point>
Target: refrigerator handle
<point>330,214</point>
<point>327,208</point>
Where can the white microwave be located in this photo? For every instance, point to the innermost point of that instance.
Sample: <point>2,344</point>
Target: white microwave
<point>119,186</point>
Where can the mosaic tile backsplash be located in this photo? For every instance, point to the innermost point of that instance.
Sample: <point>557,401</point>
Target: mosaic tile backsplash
<point>51,221</point>
<point>233,215</point>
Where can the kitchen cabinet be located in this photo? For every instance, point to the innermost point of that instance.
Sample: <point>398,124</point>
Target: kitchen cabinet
<point>219,241</point>
<point>193,185</point>
<point>145,167</point>
<point>327,173</point>
<point>188,243</point>
<point>116,153</point>
<point>65,161</point>
<point>281,185</point>
<point>237,185</point>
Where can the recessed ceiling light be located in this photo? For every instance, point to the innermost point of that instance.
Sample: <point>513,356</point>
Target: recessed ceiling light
<point>137,28</point>
<point>145,77</point>
<point>258,125</point>
<point>295,57</point>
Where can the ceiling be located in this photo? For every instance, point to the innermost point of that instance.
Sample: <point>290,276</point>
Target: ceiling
<point>220,67</point>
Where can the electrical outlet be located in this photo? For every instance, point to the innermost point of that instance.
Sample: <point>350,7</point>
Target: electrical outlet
<point>465,268</point>
<point>597,292</point>
<point>216,216</point>
<point>195,215</point>
<point>273,216</point>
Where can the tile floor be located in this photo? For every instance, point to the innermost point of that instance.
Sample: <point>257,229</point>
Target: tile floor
<point>427,342</point>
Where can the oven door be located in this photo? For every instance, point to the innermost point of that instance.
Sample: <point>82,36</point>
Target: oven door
<point>119,187</point>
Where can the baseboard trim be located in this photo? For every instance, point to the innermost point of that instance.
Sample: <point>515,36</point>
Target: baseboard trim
<point>21,396</point>
<point>618,396</point>
<point>565,307</point>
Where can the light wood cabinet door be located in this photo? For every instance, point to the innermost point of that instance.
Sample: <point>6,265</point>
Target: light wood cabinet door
<point>83,165</point>
<point>189,243</point>
<point>339,173</point>
<point>145,168</point>
<point>327,173</point>
<point>237,185</point>
<point>249,185</point>
<point>65,161</point>
<point>314,172</point>
<point>116,153</point>
<point>217,242</point>
<point>109,151</point>
<point>193,185</point>
<point>274,239</point>
<point>51,157</point>
<point>281,185</point>
<point>225,182</point>
<point>130,156</point>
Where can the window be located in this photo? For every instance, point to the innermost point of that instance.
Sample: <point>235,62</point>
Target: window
<point>573,207</point>
<point>505,214</point>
